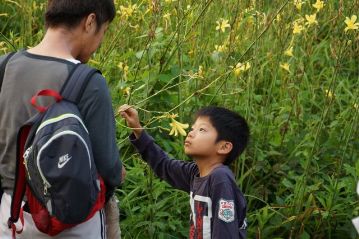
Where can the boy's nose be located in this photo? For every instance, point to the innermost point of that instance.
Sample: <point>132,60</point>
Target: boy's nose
<point>190,134</point>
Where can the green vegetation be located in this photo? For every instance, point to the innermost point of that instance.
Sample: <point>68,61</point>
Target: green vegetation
<point>292,74</point>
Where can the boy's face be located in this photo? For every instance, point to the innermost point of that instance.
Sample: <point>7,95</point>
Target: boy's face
<point>201,140</point>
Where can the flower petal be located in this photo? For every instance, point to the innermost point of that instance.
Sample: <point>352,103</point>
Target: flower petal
<point>182,131</point>
<point>353,18</point>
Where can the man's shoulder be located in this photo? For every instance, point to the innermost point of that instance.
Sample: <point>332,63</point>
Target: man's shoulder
<point>97,79</point>
<point>3,57</point>
<point>96,87</point>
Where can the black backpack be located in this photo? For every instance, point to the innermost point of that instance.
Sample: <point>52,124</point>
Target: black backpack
<point>55,165</point>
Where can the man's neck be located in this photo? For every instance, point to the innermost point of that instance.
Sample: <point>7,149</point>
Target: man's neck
<point>59,42</point>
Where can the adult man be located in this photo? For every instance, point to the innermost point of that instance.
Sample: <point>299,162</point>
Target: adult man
<point>74,30</point>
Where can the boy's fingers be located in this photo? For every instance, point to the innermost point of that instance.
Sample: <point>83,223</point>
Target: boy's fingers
<point>127,107</point>
<point>123,114</point>
<point>124,107</point>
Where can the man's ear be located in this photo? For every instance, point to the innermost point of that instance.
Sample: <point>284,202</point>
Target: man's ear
<point>90,23</point>
<point>225,147</point>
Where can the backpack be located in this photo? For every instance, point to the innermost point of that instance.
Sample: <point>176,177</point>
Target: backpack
<point>55,165</point>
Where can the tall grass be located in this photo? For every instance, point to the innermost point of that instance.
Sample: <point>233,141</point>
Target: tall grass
<point>301,167</point>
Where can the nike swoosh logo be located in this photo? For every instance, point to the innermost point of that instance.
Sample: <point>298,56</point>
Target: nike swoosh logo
<point>62,164</point>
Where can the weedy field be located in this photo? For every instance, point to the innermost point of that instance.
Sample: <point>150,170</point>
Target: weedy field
<point>291,67</point>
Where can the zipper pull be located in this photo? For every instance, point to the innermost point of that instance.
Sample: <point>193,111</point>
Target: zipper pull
<point>26,156</point>
<point>46,187</point>
<point>27,152</point>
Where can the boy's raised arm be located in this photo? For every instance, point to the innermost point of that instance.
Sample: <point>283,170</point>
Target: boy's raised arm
<point>177,173</point>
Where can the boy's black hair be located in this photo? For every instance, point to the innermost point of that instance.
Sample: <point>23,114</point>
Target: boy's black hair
<point>230,127</point>
<point>69,13</point>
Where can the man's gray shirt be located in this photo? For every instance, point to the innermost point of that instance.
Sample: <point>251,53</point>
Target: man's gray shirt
<point>25,75</point>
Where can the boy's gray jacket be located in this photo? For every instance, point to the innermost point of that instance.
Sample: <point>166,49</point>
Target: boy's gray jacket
<point>24,76</point>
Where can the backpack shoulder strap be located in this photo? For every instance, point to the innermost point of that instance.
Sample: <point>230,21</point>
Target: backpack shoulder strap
<point>20,179</point>
<point>77,81</point>
<point>3,66</point>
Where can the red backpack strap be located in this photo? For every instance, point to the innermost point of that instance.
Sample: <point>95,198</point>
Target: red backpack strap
<point>13,227</point>
<point>46,92</point>
<point>20,179</point>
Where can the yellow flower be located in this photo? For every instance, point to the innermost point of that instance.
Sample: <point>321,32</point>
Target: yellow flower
<point>178,127</point>
<point>200,72</point>
<point>220,48</point>
<point>167,19</point>
<point>311,19</point>
<point>126,90</point>
<point>298,4</point>
<point>318,5</point>
<point>329,94</point>
<point>127,12</point>
<point>241,68</point>
<point>171,116</point>
<point>351,23</point>
<point>4,48</point>
<point>167,16</point>
<point>222,25</point>
<point>250,20</point>
<point>285,66</point>
<point>120,65</point>
<point>124,68</point>
<point>297,28</point>
<point>356,106</point>
<point>289,51</point>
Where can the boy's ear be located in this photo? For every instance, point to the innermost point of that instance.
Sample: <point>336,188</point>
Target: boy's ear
<point>225,147</point>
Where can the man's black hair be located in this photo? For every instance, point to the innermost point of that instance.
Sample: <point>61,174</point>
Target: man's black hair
<point>230,127</point>
<point>69,13</point>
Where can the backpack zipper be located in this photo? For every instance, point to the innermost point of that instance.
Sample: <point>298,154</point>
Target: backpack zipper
<point>26,156</point>
<point>59,118</point>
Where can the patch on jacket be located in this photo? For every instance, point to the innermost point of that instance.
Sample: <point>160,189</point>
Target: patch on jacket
<point>226,210</point>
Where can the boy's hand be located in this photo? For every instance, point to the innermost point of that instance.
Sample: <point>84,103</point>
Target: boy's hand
<point>131,116</point>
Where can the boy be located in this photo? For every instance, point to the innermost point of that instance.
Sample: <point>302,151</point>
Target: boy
<point>74,31</point>
<point>217,138</point>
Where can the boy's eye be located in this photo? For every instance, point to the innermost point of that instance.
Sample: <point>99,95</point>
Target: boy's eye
<point>202,129</point>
